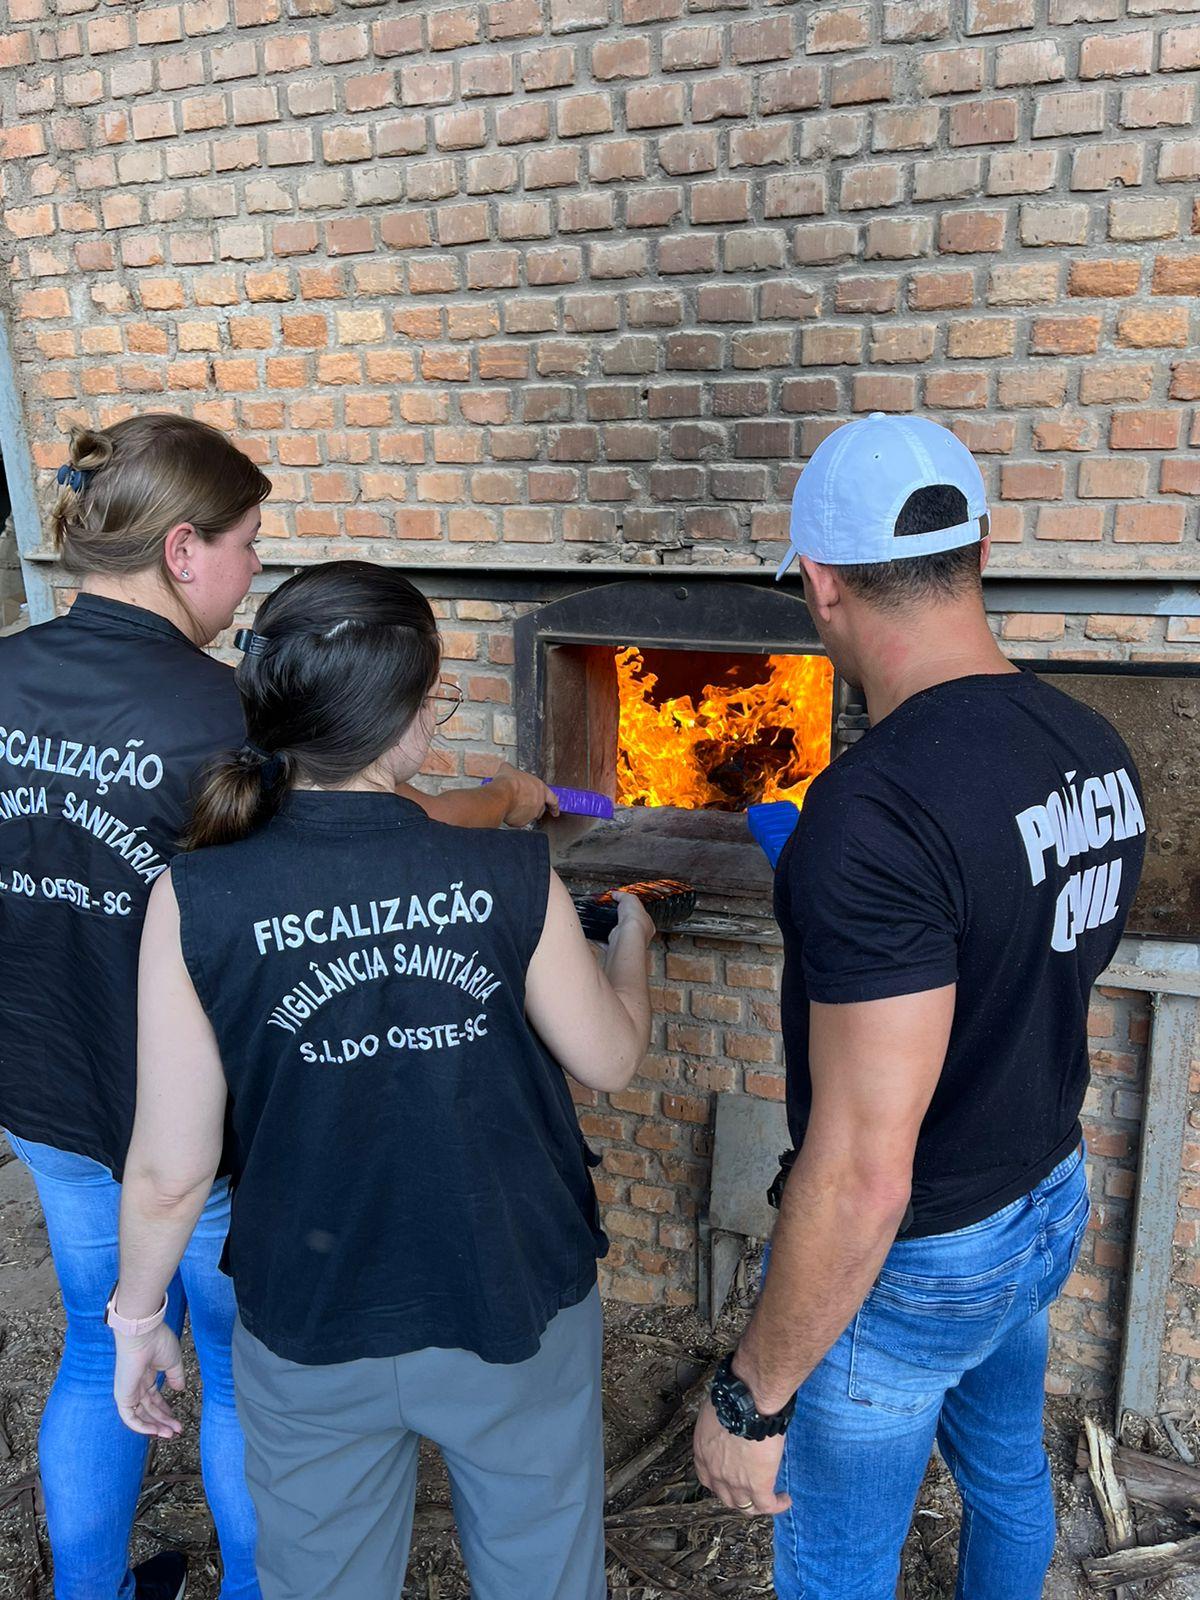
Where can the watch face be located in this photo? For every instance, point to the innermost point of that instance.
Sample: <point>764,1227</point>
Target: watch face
<point>732,1403</point>
<point>727,1411</point>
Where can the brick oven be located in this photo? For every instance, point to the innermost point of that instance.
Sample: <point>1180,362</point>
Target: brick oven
<point>549,301</point>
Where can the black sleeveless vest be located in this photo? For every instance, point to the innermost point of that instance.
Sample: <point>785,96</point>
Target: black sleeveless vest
<point>408,1169</point>
<point>105,716</point>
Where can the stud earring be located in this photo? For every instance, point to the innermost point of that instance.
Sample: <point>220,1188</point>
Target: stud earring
<point>185,574</point>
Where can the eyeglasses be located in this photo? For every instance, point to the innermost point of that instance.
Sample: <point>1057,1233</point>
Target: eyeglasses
<point>449,697</point>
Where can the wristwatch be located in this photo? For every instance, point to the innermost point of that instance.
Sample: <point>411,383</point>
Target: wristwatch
<point>736,1411</point>
<point>131,1326</point>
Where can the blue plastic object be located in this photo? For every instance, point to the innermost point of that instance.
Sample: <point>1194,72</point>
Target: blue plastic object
<point>580,802</point>
<point>772,824</point>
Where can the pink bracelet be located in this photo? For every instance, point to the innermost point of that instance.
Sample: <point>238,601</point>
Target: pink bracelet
<point>131,1326</point>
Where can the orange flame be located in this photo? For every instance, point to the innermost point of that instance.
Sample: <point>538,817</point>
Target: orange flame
<point>739,745</point>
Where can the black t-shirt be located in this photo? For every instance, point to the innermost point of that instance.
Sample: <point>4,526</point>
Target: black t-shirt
<point>408,1167</point>
<point>105,716</point>
<point>988,833</point>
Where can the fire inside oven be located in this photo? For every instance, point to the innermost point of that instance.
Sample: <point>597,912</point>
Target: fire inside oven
<point>719,731</point>
<point>685,704</point>
<point>685,729</point>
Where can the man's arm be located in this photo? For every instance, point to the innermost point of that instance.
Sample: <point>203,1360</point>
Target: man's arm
<point>874,1067</point>
<point>512,799</point>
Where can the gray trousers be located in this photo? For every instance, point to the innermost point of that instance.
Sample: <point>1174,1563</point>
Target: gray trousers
<point>331,1461</point>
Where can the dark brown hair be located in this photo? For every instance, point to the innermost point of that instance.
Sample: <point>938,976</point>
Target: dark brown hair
<point>916,580</point>
<point>140,478</point>
<point>349,653</point>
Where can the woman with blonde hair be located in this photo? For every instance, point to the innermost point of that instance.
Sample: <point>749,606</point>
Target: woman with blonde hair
<point>106,714</point>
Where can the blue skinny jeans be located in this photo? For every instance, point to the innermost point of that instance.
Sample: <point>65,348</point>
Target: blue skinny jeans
<point>92,1464</point>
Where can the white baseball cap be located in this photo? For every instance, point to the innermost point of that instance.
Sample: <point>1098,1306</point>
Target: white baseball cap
<point>848,497</point>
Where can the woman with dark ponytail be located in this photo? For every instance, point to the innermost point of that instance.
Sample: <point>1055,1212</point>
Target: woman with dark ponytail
<point>383,1011</point>
<point>106,714</point>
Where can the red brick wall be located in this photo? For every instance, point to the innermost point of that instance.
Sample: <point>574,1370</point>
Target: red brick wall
<point>602,272</point>
<point>1088,1320</point>
<point>716,1030</point>
<point>589,279</point>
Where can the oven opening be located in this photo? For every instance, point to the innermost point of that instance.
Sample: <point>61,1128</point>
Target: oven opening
<point>670,727</point>
<point>685,704</point>
<point>684,741</point>
<point>706,730</point>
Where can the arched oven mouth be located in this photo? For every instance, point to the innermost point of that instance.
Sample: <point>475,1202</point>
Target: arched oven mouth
<point>684,703</point>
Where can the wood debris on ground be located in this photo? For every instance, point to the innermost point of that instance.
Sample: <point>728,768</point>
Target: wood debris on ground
<point>667,1539</point>
<point>1156,1552</point>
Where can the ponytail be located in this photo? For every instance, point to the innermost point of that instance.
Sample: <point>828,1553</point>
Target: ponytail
<point>87,453</point>
<point>240,792</point>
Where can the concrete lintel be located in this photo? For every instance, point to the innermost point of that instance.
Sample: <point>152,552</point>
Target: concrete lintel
<point>1155,966</point>
<point>491,576</point>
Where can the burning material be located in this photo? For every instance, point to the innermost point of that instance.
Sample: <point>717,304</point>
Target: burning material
<point>735,745</point>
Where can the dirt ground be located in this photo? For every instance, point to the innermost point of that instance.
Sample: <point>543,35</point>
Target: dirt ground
<point>651,1359</point>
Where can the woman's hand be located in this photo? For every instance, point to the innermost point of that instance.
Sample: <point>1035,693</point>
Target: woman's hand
<point>594,1018</point>
<point>526,797</point>
<point>633,920</point>
<point>135,1387</point>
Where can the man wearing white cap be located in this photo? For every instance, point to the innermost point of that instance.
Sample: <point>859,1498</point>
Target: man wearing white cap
<point>955,885</point>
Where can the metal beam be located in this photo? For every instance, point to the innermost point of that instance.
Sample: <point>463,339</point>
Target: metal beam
<point>18,471</point>
<point>1164,1122</point>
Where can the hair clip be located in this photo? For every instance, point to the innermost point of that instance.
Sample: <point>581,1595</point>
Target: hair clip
<point>249,642</point>
<point>76,478</point>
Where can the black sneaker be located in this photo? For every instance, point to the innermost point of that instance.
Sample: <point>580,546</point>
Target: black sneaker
<point>163,1577</point>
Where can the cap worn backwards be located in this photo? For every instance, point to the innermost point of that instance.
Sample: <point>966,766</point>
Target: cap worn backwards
<point>850,494</point>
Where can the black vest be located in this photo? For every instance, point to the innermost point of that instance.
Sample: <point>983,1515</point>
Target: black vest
<point>407,1164</point>
<point>105,716</point>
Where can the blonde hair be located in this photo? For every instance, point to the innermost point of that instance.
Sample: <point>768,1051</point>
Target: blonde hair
<point>130,484</point>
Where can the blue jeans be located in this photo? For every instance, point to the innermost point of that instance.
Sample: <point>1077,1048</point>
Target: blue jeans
<point>950,1344</point>
<point>92,1464</point>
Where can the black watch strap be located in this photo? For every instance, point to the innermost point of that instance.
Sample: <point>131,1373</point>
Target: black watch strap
<point>736,1411</point>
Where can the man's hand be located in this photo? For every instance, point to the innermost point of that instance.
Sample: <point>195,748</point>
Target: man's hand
<point>139,1361</point>
<point>526,797</point>
<point>740,1472</point>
